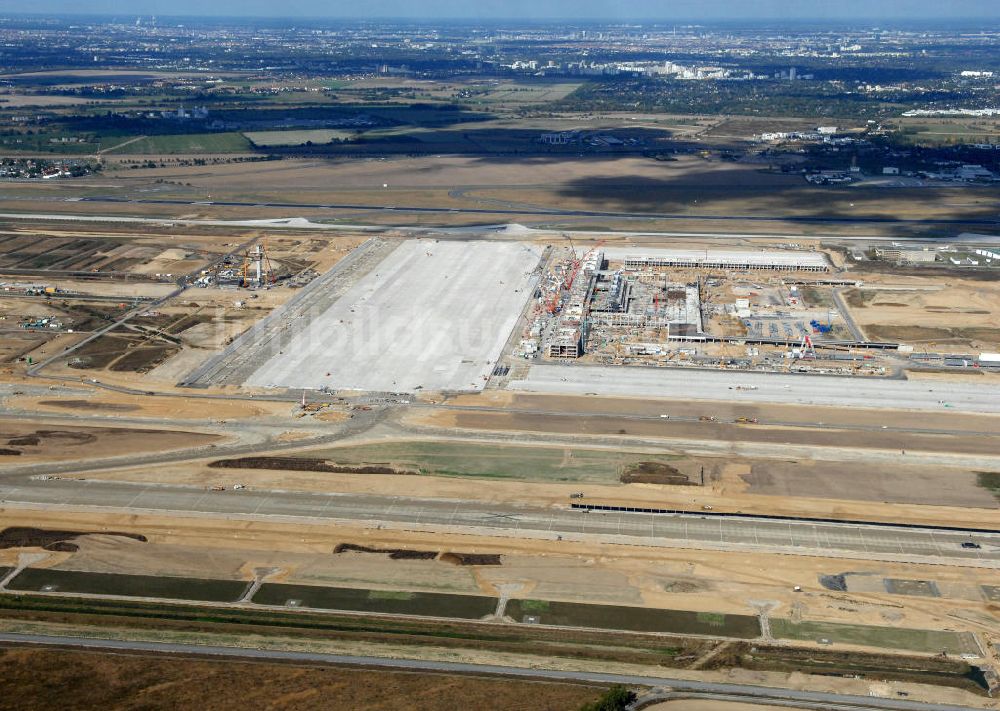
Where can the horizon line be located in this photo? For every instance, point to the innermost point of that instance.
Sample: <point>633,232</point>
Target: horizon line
<point>499,18</point>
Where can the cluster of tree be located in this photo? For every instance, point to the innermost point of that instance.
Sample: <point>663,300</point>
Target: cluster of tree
<point>617,698</point>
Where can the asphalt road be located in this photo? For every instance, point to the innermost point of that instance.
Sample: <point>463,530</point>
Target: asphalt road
<point>757,694</point>
<point>848,540</point>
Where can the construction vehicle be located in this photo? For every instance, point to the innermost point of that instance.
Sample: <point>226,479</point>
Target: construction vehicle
<point>747,420</point>
<point>552,305</point>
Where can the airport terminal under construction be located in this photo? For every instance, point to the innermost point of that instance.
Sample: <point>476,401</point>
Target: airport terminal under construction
<point>460,315</point>
<point>423,314</point>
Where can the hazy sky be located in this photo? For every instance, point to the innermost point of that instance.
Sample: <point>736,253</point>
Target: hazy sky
<point>532,9</point>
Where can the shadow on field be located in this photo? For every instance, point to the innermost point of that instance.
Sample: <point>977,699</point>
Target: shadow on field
<point>750,195</point>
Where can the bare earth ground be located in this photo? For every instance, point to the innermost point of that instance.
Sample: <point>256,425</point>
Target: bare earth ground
<point>57,442</point>
<point>140,406</point>
<point>47,679</point>
<point>883,481</point>
<point>608,425</point>
<point>930,311</point>
<point>804,415</point>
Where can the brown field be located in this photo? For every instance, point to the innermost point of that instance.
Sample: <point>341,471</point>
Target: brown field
<point>56,442</point>
<point>925,310</point>
<point>746,127</point>
<point>16,344</point>
<point>140,406</point>
<point>803,415</point>
<point>705,705</point>
<point>868,481</point>
<point>24,100</point>
<point>50,678</point>
<point>599,425</point>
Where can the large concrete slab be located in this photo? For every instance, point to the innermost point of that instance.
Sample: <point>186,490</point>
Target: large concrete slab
<point>729,386</point>
<point>432,315</point>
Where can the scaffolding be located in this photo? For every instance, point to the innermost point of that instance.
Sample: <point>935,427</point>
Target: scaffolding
<point>256,270</point>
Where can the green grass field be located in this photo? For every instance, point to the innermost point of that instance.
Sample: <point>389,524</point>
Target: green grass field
<point>297,138</point>
<point>74,581</point>
<point>492,460</point>
<point>989,481</point>
<point>940,131</point>
<point>396,602</point>
<point>640,619</point>
<point>518,93</point>
<point>928,641</point>
<point>187,143</point>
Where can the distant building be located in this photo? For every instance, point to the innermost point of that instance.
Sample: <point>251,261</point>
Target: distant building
<point>906,255</point>
<point>559,138</point>
<point>773,260</point>
<point>973,172</point>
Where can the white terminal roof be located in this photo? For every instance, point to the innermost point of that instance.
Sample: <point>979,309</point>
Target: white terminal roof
<point>777,257</point>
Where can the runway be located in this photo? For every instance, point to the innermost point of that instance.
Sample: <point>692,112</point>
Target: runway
<point>550,212</point>
<point>691,530</point>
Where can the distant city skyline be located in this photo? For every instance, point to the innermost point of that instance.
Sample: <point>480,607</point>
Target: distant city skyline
<point>630,10</point>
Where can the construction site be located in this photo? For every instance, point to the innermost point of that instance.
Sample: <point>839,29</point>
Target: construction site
<point>763,310</point>
<point>418,315</point>
<point>753,446</point>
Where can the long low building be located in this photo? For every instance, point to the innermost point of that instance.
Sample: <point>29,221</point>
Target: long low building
<point>769,260</point>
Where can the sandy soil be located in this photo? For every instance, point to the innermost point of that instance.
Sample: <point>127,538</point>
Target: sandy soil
<point>928,310</point>
<point>16,345</point>
<point>876,481</point>
<point>152,407</point>
<point>56,442</point>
